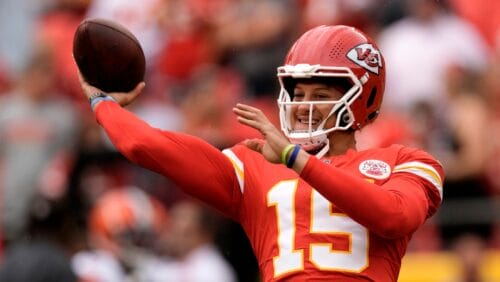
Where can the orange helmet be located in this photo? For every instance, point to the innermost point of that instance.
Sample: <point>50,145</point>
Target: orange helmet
<point>127,213</point>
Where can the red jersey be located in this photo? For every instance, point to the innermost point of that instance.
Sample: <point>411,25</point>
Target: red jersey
<point>346,218</point>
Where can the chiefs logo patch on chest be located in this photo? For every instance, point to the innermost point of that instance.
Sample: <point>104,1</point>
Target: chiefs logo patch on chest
<point>375,169</point>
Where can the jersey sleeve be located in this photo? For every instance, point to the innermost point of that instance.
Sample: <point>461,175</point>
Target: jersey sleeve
<point>197,167</point>
<point>426,171</point>
<point>396,208</point>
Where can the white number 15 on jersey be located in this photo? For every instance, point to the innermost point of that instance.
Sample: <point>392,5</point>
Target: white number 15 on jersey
<point>322,254</point>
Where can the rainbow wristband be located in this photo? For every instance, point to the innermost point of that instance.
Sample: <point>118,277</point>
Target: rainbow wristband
<point>284,153</point>
<point>293,157</point>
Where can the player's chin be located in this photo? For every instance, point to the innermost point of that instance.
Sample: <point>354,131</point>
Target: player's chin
<point>309,147</point>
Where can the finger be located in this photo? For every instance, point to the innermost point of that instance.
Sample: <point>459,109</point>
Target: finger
<point>137,90</point>
<point>244,113</point>
<point>246,107</point>
<point>83,83</point>
<point>80,78</point>
<point>254,145</point>
<point>140,86</point>
<point>87,89</point>
<point>249,112</point>
<point>126,98</point>
<point>249,122</point>
<point>250,109</point>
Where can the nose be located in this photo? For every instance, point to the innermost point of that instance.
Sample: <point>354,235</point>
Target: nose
<point>305,108</point>
<point>308,97</point>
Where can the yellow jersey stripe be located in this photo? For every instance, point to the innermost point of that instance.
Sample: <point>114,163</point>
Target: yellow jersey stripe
<point>423,170</point>
<point>238,167</point>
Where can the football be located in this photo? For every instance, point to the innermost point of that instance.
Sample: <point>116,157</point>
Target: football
<point>108,55</point>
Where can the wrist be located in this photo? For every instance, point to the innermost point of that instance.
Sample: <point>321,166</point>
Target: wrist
<point>289,154</point>
<point>286,151</point>
<point>98,97</point>
<point>293,156</point>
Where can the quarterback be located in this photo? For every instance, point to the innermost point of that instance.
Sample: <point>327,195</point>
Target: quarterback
<point>313,207</point>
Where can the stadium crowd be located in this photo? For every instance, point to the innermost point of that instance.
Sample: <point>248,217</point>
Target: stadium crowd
<point>73,209</point>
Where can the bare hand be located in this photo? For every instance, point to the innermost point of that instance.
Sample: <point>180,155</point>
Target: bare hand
<point>275,141</point>
<point>123,98</point>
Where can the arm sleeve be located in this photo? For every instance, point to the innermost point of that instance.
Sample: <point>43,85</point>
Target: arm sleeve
<point>392,210</point>
<point>197,167</point>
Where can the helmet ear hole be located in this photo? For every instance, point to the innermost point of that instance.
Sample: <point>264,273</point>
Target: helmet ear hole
<point>373,115</point>
<point>345,118</point>
<point>371,98</point>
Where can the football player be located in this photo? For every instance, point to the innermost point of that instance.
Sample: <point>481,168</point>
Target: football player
<point>313,207</point>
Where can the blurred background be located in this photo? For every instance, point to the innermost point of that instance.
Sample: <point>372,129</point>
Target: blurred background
<point>73,209</point>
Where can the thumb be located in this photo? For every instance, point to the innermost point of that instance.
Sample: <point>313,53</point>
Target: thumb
<point>125,99</point>
<point>137,90</point>
<point>140,86</point>
<point>254,144</point>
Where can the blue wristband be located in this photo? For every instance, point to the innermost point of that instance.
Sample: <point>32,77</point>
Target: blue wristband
<point>98,97</point>
<point>293,157</point>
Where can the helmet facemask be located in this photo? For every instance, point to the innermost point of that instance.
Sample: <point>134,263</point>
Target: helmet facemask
<point>315,138</point>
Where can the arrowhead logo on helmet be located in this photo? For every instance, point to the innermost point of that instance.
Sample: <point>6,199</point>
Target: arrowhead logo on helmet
<point>366,56</point>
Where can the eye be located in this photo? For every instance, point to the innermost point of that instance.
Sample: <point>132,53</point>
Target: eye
<point>323,96</point>
<point>298,96</point>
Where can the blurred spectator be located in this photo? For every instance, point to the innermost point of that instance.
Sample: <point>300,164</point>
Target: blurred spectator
<point>190,241</point>
<point>457,138</point>
<point>4,77</point>
<point>17,21</point>
<point>471,252</point>
<point>37,134</point>
<point>140,17</point>
<point>421,47</point>
<point>390,11</point>
<point>485,15</point>
<point>189,44</point>
<point>390,128</point>
<point>45,254</point>
<point>464,155</point>
<point>36,261</point>
<point>125,226</point>
<point>466,118</point>
<point>357,13</point>
<point>490,85</point>
<point>206,105</point>
<point>253,36</point>
<point>160,112</point>
<point>56,27</point>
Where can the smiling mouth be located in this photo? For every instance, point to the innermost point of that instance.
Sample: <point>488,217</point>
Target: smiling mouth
<point>303,123</point>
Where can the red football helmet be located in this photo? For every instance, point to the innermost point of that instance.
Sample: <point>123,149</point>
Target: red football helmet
<point>343,54</point>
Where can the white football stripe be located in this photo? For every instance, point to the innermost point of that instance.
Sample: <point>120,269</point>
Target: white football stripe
<point>238,167</point>
<point>423,170</point>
